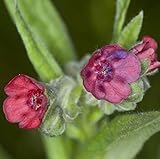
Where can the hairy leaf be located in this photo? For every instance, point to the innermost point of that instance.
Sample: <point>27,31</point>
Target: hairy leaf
<point>121,10</point>
<point>48,26</point>
<point>130,33</point>
<point>121,138</point>
<point>43,62</point>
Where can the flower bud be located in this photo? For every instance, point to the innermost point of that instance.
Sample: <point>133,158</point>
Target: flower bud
<point>146,50</point>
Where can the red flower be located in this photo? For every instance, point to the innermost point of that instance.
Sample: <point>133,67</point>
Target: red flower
<point>147,50</point>
<point>109,72</point>
<point>26,102</point>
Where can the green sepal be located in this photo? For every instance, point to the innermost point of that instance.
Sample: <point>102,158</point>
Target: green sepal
<point>137,89</point>
<point>152,72</point>
<point>126,106</point>
<point>90,100</point>
<point>144,67</point>
<point>63,94</point>
<point>72,110</point>
<point>67,96</point>
<point>146,83</point>
<point>106,107</point>
<point>53,123</point>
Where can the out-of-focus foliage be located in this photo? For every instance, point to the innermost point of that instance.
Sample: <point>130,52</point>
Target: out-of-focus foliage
<point>41,58</point>
<point>122,137</point>
<point>90,24</point>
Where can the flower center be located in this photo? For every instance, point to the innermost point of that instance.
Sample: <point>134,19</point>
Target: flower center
<point>105,71</point>
<point>35,99</point>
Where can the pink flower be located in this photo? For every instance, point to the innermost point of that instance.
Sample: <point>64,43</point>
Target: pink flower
<point>147,50</point>
<point>26,102</point>
<point>109,72</point>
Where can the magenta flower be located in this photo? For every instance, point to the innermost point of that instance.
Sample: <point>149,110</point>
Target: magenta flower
<point>147,50</point>
<point>26,102</point>
<point>109,72</point>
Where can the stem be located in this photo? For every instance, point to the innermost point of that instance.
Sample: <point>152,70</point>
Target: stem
<point>57,148</point>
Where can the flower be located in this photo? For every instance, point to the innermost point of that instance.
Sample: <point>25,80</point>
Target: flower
<point>146,49</point>
<point>109,72</point>
<point>26,102</point>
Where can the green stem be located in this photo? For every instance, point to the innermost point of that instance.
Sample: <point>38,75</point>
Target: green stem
<point>57,148</point>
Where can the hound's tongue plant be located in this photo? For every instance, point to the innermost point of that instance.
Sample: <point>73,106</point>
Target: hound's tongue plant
<point>73,100</point>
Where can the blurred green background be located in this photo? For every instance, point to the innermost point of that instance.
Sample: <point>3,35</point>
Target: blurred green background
<point>90,25</point>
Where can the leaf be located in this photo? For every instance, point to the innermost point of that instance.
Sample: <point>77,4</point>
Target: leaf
<point>48,26</point>
<point>43,62</point>
<point>122,137</point>
<point>121,10</point>
<point>130,33</point>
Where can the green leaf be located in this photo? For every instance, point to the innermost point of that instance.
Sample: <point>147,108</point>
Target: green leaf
<point>121,10</point>
<point>48,26</point>
<point>43,62</point>
<point>122,137</point>
<point>130,33</point>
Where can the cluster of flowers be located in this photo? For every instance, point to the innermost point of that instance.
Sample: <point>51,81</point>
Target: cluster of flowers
<point>112,69</point>
<point>107,76</point>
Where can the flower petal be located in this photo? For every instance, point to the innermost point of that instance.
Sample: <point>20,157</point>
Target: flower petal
<point>30,123</point>
<point>15,108</point>
<point>147,54</point>
<point>150,43</point>
<point>21,84</point>
<point>154,66</point>
<point>89,78</point>
<point>32,119</point>
<point>107,50</point>
<point>99,90</point>
<point>129,68</point>
<point>116,90</point>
